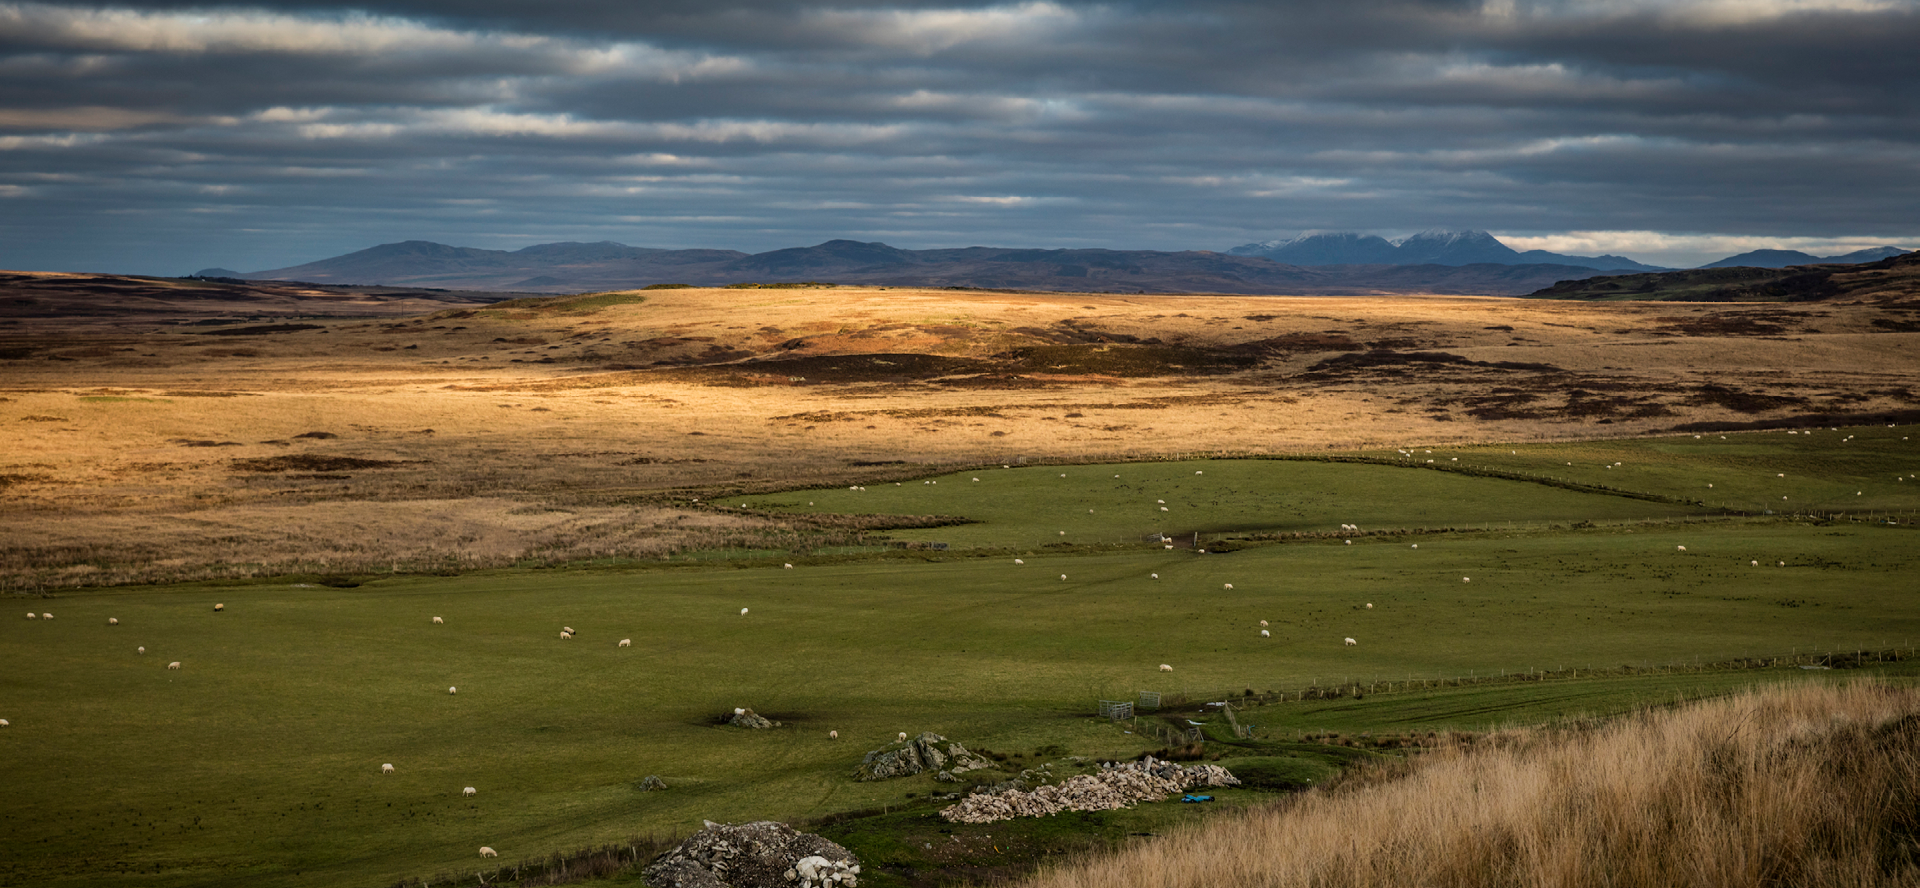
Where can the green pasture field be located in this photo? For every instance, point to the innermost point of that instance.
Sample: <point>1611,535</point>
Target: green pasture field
<point>258,762</point>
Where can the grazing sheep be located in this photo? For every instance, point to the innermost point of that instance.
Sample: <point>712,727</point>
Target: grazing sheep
<point>1165,668</point>
<point>626,642</point>
<point>113,621</point>
<point>743,612</point>
<point>386,768</point>
<point>1228,585</point>
<point>141,649</point>
<point>32,616</point>
<point>1466,579</point>
<point>565,635</point>
<point>219,607</point>
<point>453,690</point>
<point>903,734</point>
<point>1156,576</point>
<point>1265,634</point>
<point>1351,642</point>
<point>1264,623</point>
<point>788,566</point>
<point>174,665</point>
<point>5,724</point>
<point>1681,548</point>
<point>833,735</point>
<point>1349,542</point>
<point>469,791</point>
<point>1783,564</point>
<point>439,622</point>
<point>488,852</point>
<point>46,616</point>
<point>1416,545</point>
<point>1063,576</point>
<point>1754,563</point>
<point>1369,605</point>
<point>567,629</point>
<point>1018,561</point>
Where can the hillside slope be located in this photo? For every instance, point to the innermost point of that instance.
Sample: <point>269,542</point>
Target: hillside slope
<point>1894,278</point>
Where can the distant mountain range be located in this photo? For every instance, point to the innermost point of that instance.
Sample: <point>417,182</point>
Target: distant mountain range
<point>1425,248</point>
<point>1786,258</point>
<point>1469,247</point>
<point>575,267</point>
<point>1448,262</point>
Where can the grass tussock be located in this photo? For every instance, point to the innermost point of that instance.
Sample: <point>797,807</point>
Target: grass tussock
<point>1816,785</point>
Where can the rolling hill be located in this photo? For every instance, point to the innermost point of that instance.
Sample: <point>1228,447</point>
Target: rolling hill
<point>574,267</point>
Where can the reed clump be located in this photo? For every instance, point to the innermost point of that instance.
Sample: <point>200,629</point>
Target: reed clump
<point>1814,785</point>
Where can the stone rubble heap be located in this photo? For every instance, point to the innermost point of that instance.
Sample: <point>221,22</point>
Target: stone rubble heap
<point>1116,786</point>
<point>747,718</point>
<point>763,854</point>
<point>927,752</point>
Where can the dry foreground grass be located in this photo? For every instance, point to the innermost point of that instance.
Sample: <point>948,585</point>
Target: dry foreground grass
<point>202,435</point>
<point>1814,785</point>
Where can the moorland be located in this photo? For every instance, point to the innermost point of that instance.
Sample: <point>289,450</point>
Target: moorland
<point>1000,508</point>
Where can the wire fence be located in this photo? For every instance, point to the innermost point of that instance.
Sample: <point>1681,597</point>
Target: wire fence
<point>1336,686</point>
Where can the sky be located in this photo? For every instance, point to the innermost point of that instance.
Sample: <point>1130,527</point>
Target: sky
<point>162,138</point>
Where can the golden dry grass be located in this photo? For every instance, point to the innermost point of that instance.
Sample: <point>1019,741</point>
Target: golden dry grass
<point>126,438</point>
<point>1804,786</point>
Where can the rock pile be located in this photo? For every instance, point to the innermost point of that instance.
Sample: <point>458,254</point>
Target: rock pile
<point>747,718</point>
<point>763,854</point>
<point>1116,786</point>
<point>927,752</point>
<point>653,782</point>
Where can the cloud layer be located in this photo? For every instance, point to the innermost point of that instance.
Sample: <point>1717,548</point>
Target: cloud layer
<point>160,137</point>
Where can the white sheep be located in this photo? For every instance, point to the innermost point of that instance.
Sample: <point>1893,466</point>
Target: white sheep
<point>1229,585</point>
<point>787,565</point>
<point>565,635</point>
<point>1349,542</point>
<point>626,642</point>
<point>453,690</point>
<point>1416,545</point>
<point>439,622</point>
<point>113,621</point>
<point>1369,605</point>
<point>1264,623</point>
<point>1466,579</point>
<point>1681,548</point>
<point>903,734</point>
<point>219,607</point>
<point>1265,634</point>
<point>488,852</point>
<point>1165,668</point>
<point>386,768</point>
<point>140,650</point>
<point>46,616</point>
<point>567,629</point>
<point>743,612</point>
<point>1063,576</point>
<point>469,791</point>
<point>174,665</point>
<point>1018,561</point>
<point>5,724</point>
<point>1351,642</point>
<point>1155,576</point>
<point>739,710</point>
<point>833,735</point>
<point>32,616</point>
<point>1754,563</point>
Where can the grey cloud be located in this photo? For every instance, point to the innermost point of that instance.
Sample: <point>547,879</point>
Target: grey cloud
<point>306,131</point>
